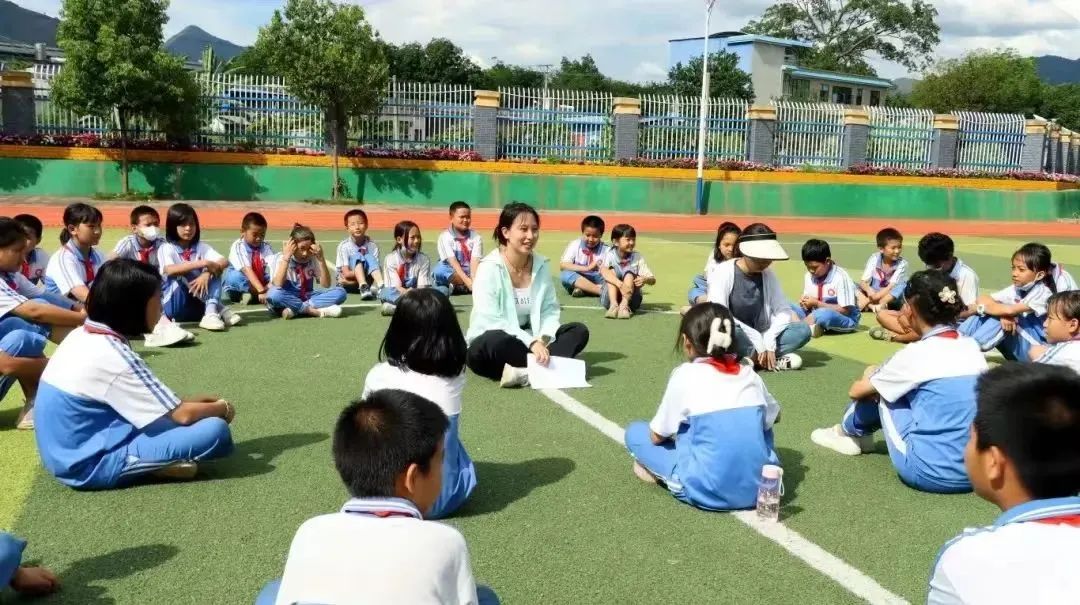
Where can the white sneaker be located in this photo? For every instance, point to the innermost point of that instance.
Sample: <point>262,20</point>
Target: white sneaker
<point>166,334</point>
<point>287,313</point>
<point>837,440</point>
<point>212,322</point>
<point>816,331</point>
<point>791,361</point>
<point>388,309</point>
<point>366,293</point>
<point>514,377</point>
<point>229,317</point>
<point>331,311</point>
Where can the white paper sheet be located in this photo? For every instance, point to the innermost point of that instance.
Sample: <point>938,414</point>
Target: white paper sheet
<point>560,373</point>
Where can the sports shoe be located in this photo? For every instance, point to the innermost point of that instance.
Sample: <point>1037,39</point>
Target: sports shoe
<point>837,440</point>
<point>182,471</point>
<point>166,334</point>
<point>229,317</point>
<point>26,417</point>
<point>331,311</point>
<point>287,313</point>
<point>578,293</point>
<point>643,473</point>
<point>366,293</point>
<point>791,361</point>
<point>879,333</point>
<point>816,331</point>
<point>612,313</point>
<point>212,322</point>
<point>514,377</point>
<point>388,309</point>
<point>625,313</point>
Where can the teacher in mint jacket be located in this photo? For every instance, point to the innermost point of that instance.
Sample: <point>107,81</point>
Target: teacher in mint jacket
<point>515,311</point>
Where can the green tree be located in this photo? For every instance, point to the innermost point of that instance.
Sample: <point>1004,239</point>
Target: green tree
<point>502,75</point>
<point>725,78</point>
<point>991,81</point>
<point>117,68</point>
<point>845,32</point>
<point>440,60</point>
<point>579,74</point>
<point>330,57</point>
<point>1062,103</point>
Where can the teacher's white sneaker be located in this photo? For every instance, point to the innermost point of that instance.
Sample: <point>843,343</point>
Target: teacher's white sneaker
<point>514,377</point>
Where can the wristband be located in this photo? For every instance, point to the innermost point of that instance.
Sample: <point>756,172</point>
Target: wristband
<point>980,310</point>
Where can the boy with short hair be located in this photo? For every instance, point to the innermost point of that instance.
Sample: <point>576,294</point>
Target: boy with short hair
<point>885,270</point>
<point>460,251</point>
<point>388,450</point>
<point>357,260</point>
<point>145,239</point>
<point>580,263</point>
<point>1024,457</point>
<point>625,272</point>
<point>828,303</point>
<point>37,259</point>
<point>249,262</point>
<point>936,251</point>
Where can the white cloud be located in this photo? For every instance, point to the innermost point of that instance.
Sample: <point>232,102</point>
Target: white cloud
<point>628,38</point>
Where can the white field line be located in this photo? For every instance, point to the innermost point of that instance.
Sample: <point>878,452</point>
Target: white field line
<point>851,579</point>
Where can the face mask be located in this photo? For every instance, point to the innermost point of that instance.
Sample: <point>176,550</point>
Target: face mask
<point>149,233</point>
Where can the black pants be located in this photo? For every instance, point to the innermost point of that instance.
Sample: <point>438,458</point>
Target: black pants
<point>494,349</point>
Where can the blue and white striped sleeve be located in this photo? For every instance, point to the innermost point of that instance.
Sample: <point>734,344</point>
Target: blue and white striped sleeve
<point>238,255</point>
<point>135,392</point>
<point>845,291</point>
<point>9,299</point>
<point>124,249</point>
<point>341,260</point>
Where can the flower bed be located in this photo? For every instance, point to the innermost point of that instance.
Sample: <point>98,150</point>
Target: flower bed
<point>94,141</point>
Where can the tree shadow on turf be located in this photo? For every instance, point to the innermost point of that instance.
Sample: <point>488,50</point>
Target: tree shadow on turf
<point>794,473</point>
<point>654,307</point>
<point>79,579</point>
<point>814,359</point>
<point>255,456</point>
<point>592,358</point>
<point>502,484</point>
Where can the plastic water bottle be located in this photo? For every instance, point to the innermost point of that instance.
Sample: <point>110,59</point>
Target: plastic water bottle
<point>770,489</point>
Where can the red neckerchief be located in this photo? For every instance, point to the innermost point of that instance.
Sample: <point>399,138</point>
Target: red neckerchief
<point>821,284</point>
<point>96,328</point>
<point>728,364</point>
<point>625,262</point>
<point>361,248</point>
<point>187,253</point>
<point>403,268</point>
<point>87,262</point>
<point>588,252</point>
<point>884,275</point>
<point>951,334</point>
<point>463,243</point>
<point>25,269</point>
<point>10,280</point>
<point>144,253</point>
<point>305,281</point>
<point>1071,520</point>
<point>257,265</point>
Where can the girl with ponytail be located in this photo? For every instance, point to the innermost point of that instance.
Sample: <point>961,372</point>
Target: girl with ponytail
<point>713,430</point>
<point>71,271</point>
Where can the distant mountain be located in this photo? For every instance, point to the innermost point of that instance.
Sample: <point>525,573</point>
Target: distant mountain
<point>904,86</point>
<point>18,24</point>
<point>192,41</point>
<point>1058,70</point>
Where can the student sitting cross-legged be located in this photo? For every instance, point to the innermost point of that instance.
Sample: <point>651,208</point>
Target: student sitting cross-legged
<point>249,262</point>
<point>1024,457</point>
<point>923,397</point>
<point>103,419</point>
<point>388,450</point>
<point>423,352</point>
<point>713,430</point>
<point>297,269</point>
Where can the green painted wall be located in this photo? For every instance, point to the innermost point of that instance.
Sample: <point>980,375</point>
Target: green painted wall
<point>424,188</point>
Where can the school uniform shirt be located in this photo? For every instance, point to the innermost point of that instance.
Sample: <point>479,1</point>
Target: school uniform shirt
<point>880,276</point>
<point>1065,354</point>
<point>377,551</point>
<point>836,288</point>
<point>348,248</point>
<point>12,287</point>
<point>935,377</point>
<point>96,394</point>
<point>710,262</point>
<point>1062,279</point>
<point>723,417</point>
<point>1035,296</point>
<point>33,267</point>
<point>242,256</point>
<point>68,269</point>
<point>302,277</point>
<point>462,247</point>
<point>400,270</point>
<point>1029,555</point>
<point>577,253</point>
<point>173,254</point>
<point>459,473</point>
<point>775,307</point>
<point>634,263</point>
<point>131,247</point>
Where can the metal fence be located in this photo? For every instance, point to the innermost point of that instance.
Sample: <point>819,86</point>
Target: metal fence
<point>900,138</point>
<point>563,124</point>
<point>809,134</point>
<point>419,116</point>
<point>255,112</point>
<point>992,142</point>
<point>51,119</point>
<point>669,128</point>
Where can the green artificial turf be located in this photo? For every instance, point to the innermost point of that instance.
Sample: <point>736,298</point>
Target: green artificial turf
<point>557,518</point>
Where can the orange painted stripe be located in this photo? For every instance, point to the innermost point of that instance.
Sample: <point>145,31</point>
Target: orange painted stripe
<point>734,176</point>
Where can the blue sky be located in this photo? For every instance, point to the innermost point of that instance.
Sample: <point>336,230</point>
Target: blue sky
<point>626,37</point>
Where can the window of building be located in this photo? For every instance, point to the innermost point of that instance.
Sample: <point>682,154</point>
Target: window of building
<point>823,96</point>
<point>875,98</point>
<point>841,95</point>
<point>858,96</point>
<point>798,90</point>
